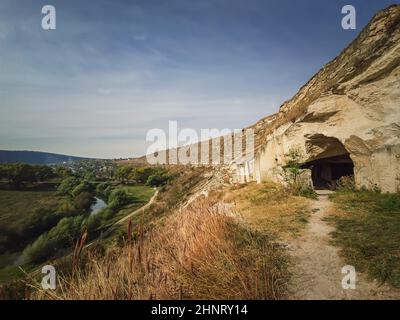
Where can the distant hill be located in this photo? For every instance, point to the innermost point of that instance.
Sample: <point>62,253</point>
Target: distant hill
<point>35,157</point>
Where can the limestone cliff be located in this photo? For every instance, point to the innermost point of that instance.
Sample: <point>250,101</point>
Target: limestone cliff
<point>348,114</point>
<point>351,106</point>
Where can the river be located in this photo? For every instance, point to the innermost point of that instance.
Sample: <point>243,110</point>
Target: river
<point>97,206</point>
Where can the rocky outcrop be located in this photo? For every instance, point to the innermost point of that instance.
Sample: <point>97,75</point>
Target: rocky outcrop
<point>351,106</point>
<point>347,114</point>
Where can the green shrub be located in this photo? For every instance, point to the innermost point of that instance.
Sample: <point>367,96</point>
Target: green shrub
<point>390,202</point>
<point>67,185</point>
<point>93,224</point>
<point>103,190</point>
<point>141,175</point>
<point>84,186</point>
<point>62,172</point>
<point>66,208</point>
<point>50,243</point>
<point>19,173</point>
<point>292,169</point>
<point>123,173</point>
<point>118,198</point>
<point>84,201</point>
<point>157,180</point>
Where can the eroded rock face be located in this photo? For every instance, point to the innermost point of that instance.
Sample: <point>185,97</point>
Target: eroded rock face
<point>351,106</point>
<point>349,110</point>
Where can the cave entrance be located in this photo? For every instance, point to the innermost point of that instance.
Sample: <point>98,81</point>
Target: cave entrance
<point>330,162</point>
<point>327,171</point>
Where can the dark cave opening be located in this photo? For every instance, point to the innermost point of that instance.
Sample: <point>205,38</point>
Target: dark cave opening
<point>326,172</point>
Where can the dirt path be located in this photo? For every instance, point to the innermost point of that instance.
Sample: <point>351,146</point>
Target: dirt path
<point>316,271</point>
<point>124,219</point>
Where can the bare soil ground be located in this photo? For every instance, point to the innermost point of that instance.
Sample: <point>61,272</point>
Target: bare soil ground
<point>317,266</point>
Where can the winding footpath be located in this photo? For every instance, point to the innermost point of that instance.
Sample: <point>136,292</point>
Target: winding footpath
<point>124,219</point>
<point>317,267</point>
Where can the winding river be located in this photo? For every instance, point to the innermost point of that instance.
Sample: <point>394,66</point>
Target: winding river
<point>97,206</point>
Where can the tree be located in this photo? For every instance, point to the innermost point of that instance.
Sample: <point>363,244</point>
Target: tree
<point>44,173</point>
<point>141,175</point>
<point>62,172</point>
<point>20,173</point>
<point>84,201</point>
<point>103,190</point>
<point>293,174</point>
<point>157,180</point>
<point>84,186</point>
<point>89,175</point>
<point>59,237</point>
<point>4,172</point>
<point>123,173</point>
<point>67,185</point>
<point>293,164</point>
<point>117,199</point>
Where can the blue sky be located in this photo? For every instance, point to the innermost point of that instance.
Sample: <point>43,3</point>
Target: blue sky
<point>112,70</point>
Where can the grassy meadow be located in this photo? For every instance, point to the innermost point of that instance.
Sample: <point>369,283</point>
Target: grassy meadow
<point>23,215</point>
<point>19,207</point>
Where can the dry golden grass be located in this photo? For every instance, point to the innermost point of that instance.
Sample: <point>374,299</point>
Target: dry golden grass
<point>195,253</point>
<point>269,208</point>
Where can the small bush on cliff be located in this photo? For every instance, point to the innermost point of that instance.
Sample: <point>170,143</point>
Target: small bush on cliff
<point>159,179</point>
<point>293,175</point>
<point>293,165</point>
